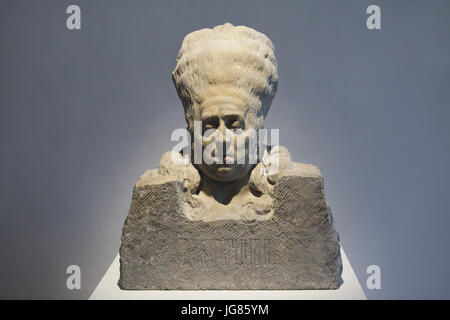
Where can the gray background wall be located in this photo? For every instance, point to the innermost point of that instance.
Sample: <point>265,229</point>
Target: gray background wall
<point>84,113</point>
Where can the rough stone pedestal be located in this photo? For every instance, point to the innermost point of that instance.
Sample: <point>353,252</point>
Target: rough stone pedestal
<point>296,249</point>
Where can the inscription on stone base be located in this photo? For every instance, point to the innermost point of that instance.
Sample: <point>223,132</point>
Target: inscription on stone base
<point>296,249</point>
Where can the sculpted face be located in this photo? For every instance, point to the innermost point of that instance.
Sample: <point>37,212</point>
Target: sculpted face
<point>224,126</point>
<point>226,78</point>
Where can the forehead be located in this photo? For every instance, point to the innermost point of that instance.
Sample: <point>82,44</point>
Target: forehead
<point>220,106</point>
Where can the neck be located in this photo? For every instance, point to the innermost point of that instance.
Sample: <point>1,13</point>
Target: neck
<point>223,192</point>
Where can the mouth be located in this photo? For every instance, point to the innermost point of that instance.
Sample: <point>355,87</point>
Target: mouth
<point>224,169</point>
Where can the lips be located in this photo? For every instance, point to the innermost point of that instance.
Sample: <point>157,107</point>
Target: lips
<point>224,170</point>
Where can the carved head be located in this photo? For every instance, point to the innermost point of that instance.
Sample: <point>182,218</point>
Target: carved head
<point>226,77</point>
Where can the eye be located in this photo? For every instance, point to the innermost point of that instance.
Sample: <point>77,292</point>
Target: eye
<point>210,124</point>
<point>235,123</point>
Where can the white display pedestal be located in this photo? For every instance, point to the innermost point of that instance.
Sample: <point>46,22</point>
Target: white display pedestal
<point>108,289</point>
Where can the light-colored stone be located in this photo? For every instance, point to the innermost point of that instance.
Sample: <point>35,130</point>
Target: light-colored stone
<point>236,62</point>
<point>163,247</point>
<point>229,226</point>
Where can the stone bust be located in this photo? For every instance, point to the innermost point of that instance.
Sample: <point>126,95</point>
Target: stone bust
<point>227,207</point>
<point>226,78</point>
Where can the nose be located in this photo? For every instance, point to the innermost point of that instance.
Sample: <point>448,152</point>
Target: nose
<point>222,129</point>
<point>226,140</point>
<point>225,134</point>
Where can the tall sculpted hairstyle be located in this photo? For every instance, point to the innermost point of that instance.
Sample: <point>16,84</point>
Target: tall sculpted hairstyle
<point>227,60</point>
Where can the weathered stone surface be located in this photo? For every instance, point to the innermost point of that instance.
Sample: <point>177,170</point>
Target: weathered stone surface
<point>296,248</point>
<point>226,223</point>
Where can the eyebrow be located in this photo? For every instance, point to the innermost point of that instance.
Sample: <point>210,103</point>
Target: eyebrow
<point>233,116</point>
<point>209,117</point>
